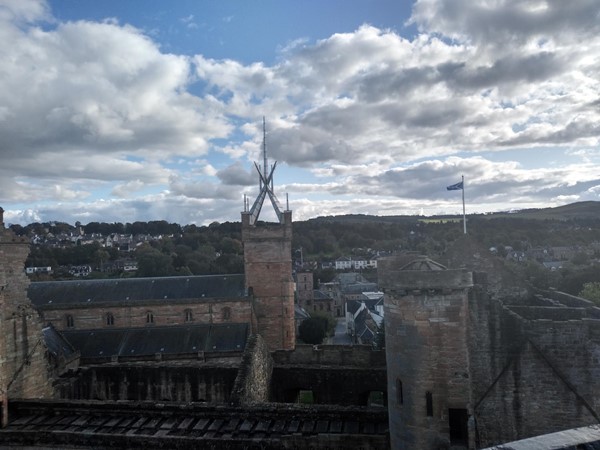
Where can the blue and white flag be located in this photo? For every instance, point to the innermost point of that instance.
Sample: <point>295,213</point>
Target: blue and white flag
<point>455,187</point>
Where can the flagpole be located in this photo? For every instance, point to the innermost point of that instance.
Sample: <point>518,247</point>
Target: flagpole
<point>463,198</point>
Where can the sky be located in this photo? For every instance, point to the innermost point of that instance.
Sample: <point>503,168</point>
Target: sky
<point>139,110</point>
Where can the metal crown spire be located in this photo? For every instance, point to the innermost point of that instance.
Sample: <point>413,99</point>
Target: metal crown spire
<point>265,183</point>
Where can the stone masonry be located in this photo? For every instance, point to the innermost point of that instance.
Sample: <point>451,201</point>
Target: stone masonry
<point>268,271</point>
<point>24,372</point>
<point>427,353</point>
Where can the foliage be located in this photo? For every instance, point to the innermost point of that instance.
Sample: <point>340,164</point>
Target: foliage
<point>313,330</point>
<point>217,248</point>
<point>379,341</point>
<point>591,292</point>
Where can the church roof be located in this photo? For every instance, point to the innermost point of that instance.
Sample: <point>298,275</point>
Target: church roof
<point>56,344</point>
<point>148,341</point>
<point>135,290</point>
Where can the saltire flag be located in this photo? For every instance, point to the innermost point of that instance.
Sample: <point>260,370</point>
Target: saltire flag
<point>455,187</point>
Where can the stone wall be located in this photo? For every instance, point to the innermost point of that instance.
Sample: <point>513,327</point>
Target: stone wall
<point>532,376</point>
<point>165,312</point>
<point>332,385</point>
<point>331,355</point>
<point>24,371</point>
<point>186,382</point>
<point>253,382</point>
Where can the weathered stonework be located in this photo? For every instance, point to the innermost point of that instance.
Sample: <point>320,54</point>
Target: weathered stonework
<point>253,382</point>
<point>469,369</point>
<point>24,372</point>
<point>184,382</point>
<point>164,312</point>
<point>427,352</point>
<point>268,276</point>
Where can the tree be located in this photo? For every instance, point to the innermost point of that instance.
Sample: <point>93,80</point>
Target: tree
<point>153,263</point>
<point>591,292</point>
<point>380,336</point>
<point>313,330</point>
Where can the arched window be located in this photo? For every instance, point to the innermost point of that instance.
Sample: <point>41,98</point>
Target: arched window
<point>149,317</point>
<point>189,317</point>
<point>110,319</point>
<point>226,313</point>
<point>69,321</point>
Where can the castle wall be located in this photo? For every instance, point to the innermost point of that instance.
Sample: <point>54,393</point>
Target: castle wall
<point>268,275</point>
<point>531,376</point>
<point>331,355</point>
<point>427,352</point>
<point>253,382</point>
<point>332,385</point>
<point>24,371</point>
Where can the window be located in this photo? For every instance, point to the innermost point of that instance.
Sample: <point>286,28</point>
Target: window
<point>226,313</point>
<point>149,317</point>
<point>188,315</point>
<point>429,404</point>
<point>69,320</point>
<point>399,393</point>
<point>376,399</point>
<point>305,397</point>
<point>110,319</point>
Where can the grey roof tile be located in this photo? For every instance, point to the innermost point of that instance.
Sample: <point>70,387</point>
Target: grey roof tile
<point>135,290</point>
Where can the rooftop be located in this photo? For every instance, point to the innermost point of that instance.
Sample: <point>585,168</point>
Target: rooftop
<point>49,294</point>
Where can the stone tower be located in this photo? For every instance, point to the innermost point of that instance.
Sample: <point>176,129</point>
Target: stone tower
<point>426,320</point>
<point>268,265</point>
<point>23,366</point>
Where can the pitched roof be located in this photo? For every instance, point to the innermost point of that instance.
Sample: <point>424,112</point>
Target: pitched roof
<point>56,344</point>
<point>124,342</point>
<point>135,290</point>
<point>320,295</point>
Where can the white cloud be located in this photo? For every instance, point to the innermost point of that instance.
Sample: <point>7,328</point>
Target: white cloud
<point>382,123</point>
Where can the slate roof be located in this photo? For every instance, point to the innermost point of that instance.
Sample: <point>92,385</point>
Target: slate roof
<point>423,264</point>
<point>352,306</point>
<point>148,341</point>
<point>362,330</point>
<point>359,288</point>
<point>585,438</point>
<point>320,295</point>
<point>49,294</point>
<point>56,344</point>
<point>300,313</point>
<point>127,425</point>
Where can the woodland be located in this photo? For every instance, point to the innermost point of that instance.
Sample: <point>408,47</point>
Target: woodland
<point>217,248</point>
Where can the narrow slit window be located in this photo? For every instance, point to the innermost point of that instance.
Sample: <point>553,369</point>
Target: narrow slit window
<point>399,393</point>
<point>429,404</point>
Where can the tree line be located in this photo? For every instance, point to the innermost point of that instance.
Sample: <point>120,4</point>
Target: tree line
<point>217,248</point>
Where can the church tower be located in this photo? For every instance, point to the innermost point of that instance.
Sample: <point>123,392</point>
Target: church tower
<point>268,264</point>
<point>23,366</point>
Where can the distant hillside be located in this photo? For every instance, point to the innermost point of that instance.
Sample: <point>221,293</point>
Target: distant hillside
<point>579,210</point>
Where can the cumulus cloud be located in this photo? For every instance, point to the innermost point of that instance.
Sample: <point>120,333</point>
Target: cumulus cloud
<point>372,119</point>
